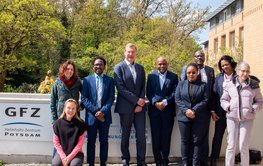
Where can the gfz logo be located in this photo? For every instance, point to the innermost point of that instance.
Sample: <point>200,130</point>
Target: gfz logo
<point>22,112</point>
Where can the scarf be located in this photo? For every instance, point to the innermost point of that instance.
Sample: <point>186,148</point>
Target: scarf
<point>69,83</point>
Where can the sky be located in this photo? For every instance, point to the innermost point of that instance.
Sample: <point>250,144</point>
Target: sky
<point>214,4</point>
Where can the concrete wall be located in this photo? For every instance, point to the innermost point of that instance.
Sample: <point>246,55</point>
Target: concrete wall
<point>15,149</point>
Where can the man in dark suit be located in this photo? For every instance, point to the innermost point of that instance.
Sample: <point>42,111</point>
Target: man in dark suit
<point>207,75</point>
<point>161,86</point>
<point>129,78</point>
<point>97,97</point>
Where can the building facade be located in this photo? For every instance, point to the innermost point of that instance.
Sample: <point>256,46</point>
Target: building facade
<point>236,28</point>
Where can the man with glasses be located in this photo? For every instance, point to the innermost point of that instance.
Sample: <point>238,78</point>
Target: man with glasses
<point>207,75</point>
<point>98,97</point>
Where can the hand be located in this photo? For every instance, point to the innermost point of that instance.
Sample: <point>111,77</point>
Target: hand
<point>65,161</point>
<point>138,109</point>
<point>160,105</point>
<point>81,107</point>
<point>100,116</point>
<point>141,102</point>
<point>214,116</point>
<point>190,114</point>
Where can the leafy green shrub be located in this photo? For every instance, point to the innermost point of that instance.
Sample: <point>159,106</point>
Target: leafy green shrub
<point>24,88</point>
<point>27,88</point>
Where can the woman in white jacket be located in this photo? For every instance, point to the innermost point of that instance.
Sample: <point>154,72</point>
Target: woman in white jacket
<point>241,100</point>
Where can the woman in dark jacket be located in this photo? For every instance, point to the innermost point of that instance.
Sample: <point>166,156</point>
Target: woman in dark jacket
<point>191,99</point>
<point>66,86</point>
<point>226,65</point>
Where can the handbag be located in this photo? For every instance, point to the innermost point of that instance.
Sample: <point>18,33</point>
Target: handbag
<point>254,157</point>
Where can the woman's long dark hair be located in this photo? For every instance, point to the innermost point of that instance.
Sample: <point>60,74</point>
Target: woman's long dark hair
<point>229,59</point>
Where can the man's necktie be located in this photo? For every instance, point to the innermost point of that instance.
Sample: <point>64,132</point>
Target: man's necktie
<point>133,73</point>
<point>99,90</point>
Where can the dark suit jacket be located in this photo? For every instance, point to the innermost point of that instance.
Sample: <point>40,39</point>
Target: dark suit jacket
<point>198,102</point>
<point>89,98</point>
<point>210,83</point>
<point>128,91</point>
<point>155,94</point>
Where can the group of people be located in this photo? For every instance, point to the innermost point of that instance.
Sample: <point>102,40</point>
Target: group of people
<point>232,99</point>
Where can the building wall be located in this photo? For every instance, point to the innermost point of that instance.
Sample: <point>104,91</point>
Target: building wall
<point>253,36</point>
<point>224,29</point>
<point>250,19</point>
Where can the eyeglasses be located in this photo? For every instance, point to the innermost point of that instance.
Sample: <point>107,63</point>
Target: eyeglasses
<point>199,56</point>
<point>98,65</point>
<point>245,71</point>
<point>191,73</point>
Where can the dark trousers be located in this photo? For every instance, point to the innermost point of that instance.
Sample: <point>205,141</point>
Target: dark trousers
<point>220,127</point>
<point>161,130</point>
<point>126,121</point>
<point>103,129</point>
<point>192,137</point>
<point>77,161</point>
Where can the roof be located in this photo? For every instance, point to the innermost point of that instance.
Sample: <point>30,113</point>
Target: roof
<point>219,9</point>
<point>205,42</point>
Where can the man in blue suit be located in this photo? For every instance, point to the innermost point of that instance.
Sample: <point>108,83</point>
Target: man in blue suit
<point>207,75</point>
<point>98,97</point>
<point>161,86</point>
<point>129,78</point>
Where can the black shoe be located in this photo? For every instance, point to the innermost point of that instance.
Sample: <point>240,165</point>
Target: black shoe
<point>164,163</point>
<point>144,164</point>
<point>185,164</point>
<point>203,163</point>
<point>102,164</point>
<point>213,162</point>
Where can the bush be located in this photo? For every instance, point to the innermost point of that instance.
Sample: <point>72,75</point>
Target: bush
<point>24,88</point>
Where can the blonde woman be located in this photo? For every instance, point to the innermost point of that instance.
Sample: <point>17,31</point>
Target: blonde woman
<point>69,133</point>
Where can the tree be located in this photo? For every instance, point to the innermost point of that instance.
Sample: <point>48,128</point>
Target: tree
<point>24,23</point>
<point>185,18</point>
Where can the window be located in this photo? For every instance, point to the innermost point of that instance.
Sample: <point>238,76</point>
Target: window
<point>223,41</point>
<point>241,38</point>
<point>242,4</point>
<point>225,15</point>
<point>215,45</point>
<point>232,39</point>
<point>217,20</point>
<point>233,9</point>
<point>241,35</point>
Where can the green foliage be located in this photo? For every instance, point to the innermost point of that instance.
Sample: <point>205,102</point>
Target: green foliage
<point>37,35</point>
<point>24,88</point>
<point>27,29</point>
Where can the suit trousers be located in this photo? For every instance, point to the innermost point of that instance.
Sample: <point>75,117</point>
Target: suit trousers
<point>192,137</point>
<point>220,127</point>
<point>103,129</point>
<point>126,121</point>
<point>238,131</point>
<point>77,161</point>
<point>161,130</point>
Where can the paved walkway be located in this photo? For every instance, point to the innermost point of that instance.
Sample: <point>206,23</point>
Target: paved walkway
<point>220,163</point>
